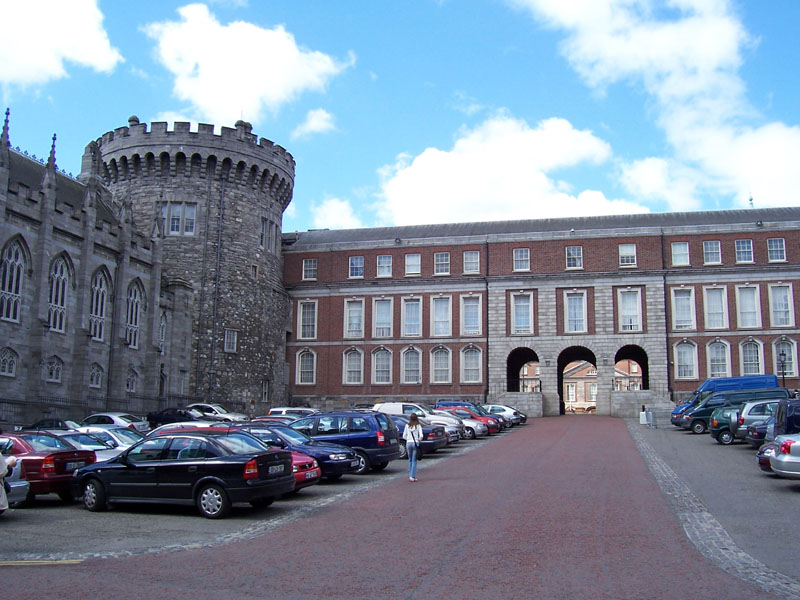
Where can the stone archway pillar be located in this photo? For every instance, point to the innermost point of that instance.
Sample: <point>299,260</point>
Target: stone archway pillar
<point>605,385</point>
<point>548,375</point>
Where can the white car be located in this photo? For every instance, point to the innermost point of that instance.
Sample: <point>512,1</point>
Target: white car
<point>292,411</point>
<point>86,441</point>
<point>217,412</point>
<point>509,412</point>
<point>786,460</point>
<point>120,419</point>
<point>118,437</point>
<point>424,411</point>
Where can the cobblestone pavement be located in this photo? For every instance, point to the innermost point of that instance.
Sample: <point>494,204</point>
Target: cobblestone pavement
<point>561,508</point>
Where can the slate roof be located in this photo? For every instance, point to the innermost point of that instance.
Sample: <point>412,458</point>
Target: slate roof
<point>454,230</point>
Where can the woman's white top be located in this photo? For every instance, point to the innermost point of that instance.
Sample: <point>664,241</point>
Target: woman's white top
<point>413,434</point>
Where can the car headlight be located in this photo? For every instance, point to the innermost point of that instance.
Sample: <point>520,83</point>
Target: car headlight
<point>315,463</point>
<point>294,468</point>
<point>337,456</point>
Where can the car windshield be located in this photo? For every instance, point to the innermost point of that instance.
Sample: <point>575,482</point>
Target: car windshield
<point>298,437</point>
<point>71,424</point>
<point>220,409</point>
<point>85,441</point>
<point>239,443</point>
<point>129,418</point>
<point>427,409</point>
<point>127,436</point>
<point>43,443</point>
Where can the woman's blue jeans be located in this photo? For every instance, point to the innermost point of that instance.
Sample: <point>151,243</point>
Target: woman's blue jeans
<point>412,450</point>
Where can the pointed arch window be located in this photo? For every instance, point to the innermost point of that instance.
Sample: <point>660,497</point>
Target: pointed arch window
<point>131,380</point>
<point>133,315</point>
<point>162,330</point>
<point>58,296</point>
<point>13,266</point>
<point>52,369</point>
<point>95,376</point>
<point>97,306</point>
<point>8,362</point>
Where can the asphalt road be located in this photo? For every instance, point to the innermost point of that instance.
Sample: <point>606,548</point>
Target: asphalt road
<point>560,508</point>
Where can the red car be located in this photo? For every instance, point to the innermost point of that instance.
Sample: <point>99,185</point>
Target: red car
<point>48,462</point>
<point>306,470</point>
<point>467,413</point>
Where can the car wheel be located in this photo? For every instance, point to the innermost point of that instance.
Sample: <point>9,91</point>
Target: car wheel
<point>725,437</point>
<point>403,451</point>
<point>470,433</point>
<point>262,502</point>
<point>212,501</point>
<point>66,496</point>
<point>699,427</point>
<point>380,466</point>
<point>363,463</point>
<point>94,496</point>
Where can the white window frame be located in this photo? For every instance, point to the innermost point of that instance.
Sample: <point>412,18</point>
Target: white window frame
<point>757,308</point>
<point>374,362</point>
<point>310,266</point>
<point>692,325</point>
<point>676,349</point>
<point>710,248</point>
<point>301,305</point>
<point>522,259</point>
<point>775,245</point>
<point>435,323</point>
<point>346,370</point>
<point>463,363</point>
<point>514,329</point>
<point>179,218</point>
<point>405,322</point>
<point>744,251</point>
<point>574,255</point>
<point>412,269</point>
<point>627,255</point>
<point>707,304</point>
<point>726,355</point>
<point>375,325</point>
<point>681,258</point>
<point>760,355</point>
<point>473,258</point>
<point>383,265</point>
<point>299,370</point>
<point>404,366</point>
<point>433,369</point>
<point>624,323</point>
<point>349,333</point>
<point>584,316</point>
<point>789,310</point>
<point>354,269</point>
<point>470,298</point>
<point>791,361</point>
<point>441,263</point>
<point>231,344</point>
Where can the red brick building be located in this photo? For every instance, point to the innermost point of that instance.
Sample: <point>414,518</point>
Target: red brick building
<point>442,311</point>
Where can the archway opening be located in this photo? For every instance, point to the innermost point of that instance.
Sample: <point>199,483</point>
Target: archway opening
<point>577,380</point>
<point>631,369</point>
<point>522,371</point>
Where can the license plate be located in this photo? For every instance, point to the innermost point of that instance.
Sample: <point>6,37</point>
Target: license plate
<point>71,466</point>
<point>310,475</point>
<point>276,469</point>
<point>354,463</point>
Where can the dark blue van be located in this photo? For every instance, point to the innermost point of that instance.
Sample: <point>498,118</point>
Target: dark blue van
<point>719,384</point>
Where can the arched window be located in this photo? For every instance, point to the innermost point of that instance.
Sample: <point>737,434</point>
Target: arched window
<point>131,380</point>
<point>306,367</point>
<point>97,306</point>
<point>718,359</point>
<point>52,369</point>
<point>13,266</point>
<point>471,365</point>
<point>132,315</point>
<point>751,358</point>
<point>412,365</point>
<point>353,367</point>
<point>685,360</point>
<point>381,366</point>
<point>8,362</point>
<point>162,330</point>
<point>785,359</point>
<point>58,295</point>
<point>95,376</point>
<point>440,365</point>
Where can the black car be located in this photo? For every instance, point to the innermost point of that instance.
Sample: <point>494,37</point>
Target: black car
<point>757,434</point>
<point>433,436</point>
<point>54,424</point>
<point>210,469</point>
<point>335,460</point>
<point>372,435</point>
<point>172,415</point>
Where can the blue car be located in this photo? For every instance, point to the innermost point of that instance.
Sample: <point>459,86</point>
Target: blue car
<point>677,413</point>
<point>433,436</point>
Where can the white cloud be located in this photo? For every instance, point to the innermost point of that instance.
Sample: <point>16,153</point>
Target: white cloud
<point>660,181</point>
<point>686,54</point>
<point>208,61</point>
<point>335,213</point>
<point>499,170</point>
<point>317,121</point>
<point>40,36</point>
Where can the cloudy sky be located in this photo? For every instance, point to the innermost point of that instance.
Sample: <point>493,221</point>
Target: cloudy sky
<point>436,111</point>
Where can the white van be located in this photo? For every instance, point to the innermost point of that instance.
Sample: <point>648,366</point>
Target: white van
<point>423,412</point>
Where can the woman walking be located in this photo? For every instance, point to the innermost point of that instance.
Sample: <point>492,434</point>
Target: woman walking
<point>412,434</point>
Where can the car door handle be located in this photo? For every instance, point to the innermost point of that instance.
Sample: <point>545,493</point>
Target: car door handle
<point>193,469</point>
<point>150,470</point>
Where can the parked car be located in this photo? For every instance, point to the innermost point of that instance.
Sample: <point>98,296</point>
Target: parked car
<point>51,425</point>
<point>173,414</point>
<point>424,411</point>
<point>117,418</point>
<point>472,427</point>
<point>217,412</point>
<point>182,425</point>
<point>492,423</point>
<point>433,436</point>
<point>696,418</point>
<point>207,469</point>
<point>510,414</point>
<point>446,405</point>
<point>719,384</point>
<point>757,434</point>
<point>452,433</point>
<point>371,434</point>
<point>786,460</point>
<point>752,413</point>
<point>15,478</point>
<point>117,437</point>
<point>787,416</point>
<point>719,425</point>
<point>86,441</point>
<point>334,460</point>
<point>282,419</point>
<point>296,411</point>
<point>48,462</point>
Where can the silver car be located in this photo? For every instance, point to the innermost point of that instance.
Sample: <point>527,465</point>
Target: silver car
<point>786,460</point>
<point>474,428</point>
<point>114,436</point>
<point>752,413</point>
<point>509,413</point>
<point>217,412</point>
<point>19,487</point>
<point>120,419</point>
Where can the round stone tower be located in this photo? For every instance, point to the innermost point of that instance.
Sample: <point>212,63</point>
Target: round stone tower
<point>217,202</point>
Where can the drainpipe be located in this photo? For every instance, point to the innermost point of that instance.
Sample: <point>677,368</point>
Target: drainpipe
<point>486,313</point>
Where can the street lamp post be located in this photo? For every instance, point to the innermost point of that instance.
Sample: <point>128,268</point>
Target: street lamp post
<point>782,360</point>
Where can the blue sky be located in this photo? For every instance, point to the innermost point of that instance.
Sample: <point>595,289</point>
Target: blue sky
<point>435,111</point>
